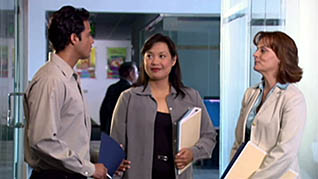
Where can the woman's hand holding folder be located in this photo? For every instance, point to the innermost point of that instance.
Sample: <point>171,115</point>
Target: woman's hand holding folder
<point>125,165</point>
<point>183,158</point>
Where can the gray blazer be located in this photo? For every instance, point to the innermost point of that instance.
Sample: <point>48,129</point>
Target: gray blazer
<point>277,128</point>
<point>133,126</point>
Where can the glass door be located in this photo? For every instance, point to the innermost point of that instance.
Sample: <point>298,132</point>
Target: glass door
<point>12,77</point>
<point>234,69</point>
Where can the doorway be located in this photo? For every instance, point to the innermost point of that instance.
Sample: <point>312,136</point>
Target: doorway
<point>12,72</point>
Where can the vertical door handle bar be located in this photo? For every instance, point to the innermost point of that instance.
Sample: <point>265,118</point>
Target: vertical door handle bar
<point>10,120</point>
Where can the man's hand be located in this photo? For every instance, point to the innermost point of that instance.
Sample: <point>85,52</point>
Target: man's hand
<point>100,171</point>
<point>125,165</point>
<point>183,158</point>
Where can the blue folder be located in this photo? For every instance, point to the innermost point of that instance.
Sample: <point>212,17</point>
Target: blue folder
<point>110,153</point>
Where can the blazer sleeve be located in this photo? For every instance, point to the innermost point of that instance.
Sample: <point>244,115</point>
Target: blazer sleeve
<point>119,120</point>
<point>280,158</point>
<point>207,141</point>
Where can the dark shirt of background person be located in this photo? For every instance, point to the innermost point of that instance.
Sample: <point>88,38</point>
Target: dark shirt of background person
<point>128,75</point>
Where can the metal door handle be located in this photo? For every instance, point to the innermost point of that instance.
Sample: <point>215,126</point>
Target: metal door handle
<point>10,120</point>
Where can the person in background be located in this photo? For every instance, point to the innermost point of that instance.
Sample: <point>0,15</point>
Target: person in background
<point>144,114</point>
<point>273,112</point>
<point>58,127</point>
<point>128,73</point>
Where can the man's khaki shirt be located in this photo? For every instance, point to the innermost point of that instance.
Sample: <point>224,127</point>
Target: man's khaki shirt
<point>58,126</point>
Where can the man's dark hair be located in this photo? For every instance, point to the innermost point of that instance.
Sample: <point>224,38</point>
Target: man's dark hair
<point>175,77</point>
<point>126,68</point>
<point>63,23</point>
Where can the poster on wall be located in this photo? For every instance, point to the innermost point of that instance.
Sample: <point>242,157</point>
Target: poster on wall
<point>86,67</point>
<point>115,57</point>
<point>4,62</point>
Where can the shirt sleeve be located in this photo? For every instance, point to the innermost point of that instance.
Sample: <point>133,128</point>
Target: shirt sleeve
<point>204,147</point>
<point>45,102</point>
<point>278,160</point>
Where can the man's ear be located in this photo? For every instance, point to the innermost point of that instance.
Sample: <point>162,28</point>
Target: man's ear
<point>131,74</point>
<point>74,38</point>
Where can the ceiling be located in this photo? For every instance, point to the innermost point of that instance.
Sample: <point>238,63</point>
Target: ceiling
<point>115,26</point>
<point>120,26</point>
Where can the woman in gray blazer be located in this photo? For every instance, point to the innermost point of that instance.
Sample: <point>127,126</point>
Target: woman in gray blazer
<point>273,113</point>
<point>144,114</point>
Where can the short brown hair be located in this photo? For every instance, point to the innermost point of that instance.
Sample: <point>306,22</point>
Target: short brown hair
<point>286,51</point>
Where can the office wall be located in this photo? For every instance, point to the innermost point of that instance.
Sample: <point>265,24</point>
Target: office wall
<point>200,60</point>
<point>37,9</point>
<point>302,26</point>
<point>197,40</point>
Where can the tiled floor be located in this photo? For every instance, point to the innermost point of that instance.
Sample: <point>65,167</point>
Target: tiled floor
<point>198,173</point>
<point>6,172</point>
<point>206,173</point>
<point>6,158</point>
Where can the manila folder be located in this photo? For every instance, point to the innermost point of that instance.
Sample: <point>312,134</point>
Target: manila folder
<point>247,162</point>
<point>188,131</point>
<point>290,174</point>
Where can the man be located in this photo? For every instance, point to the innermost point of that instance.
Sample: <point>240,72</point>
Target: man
<point>128,75</point>
<point>58,126</point>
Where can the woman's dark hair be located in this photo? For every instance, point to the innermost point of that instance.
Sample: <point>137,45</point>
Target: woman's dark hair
<point>63,23</point>
<point>175,77</point>
<point>286,51</point>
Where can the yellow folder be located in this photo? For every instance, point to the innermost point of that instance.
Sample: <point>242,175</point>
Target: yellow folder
<point>248,161</point>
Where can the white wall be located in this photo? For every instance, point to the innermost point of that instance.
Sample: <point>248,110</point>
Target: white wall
<point>37,9</point>
<point>95,89</point>
<point>302,26</point>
